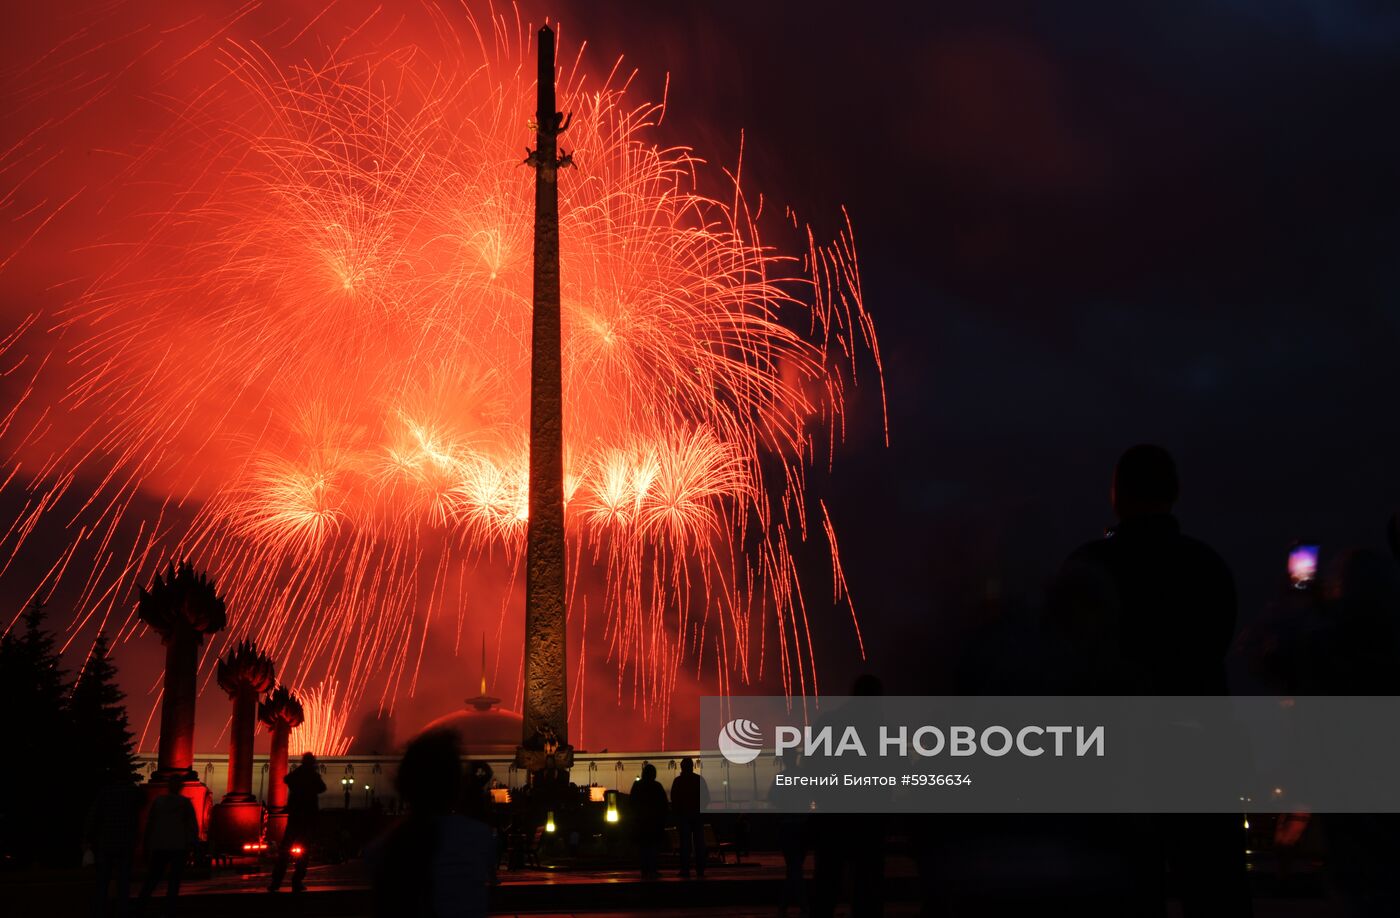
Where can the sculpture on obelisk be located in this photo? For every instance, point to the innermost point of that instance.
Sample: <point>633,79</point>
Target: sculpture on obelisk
<point>545,731</point>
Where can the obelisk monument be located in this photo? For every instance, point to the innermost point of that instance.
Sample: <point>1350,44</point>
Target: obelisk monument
<point>546,717</point>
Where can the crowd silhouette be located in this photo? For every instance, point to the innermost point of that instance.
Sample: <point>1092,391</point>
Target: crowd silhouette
<point>1145,610</point>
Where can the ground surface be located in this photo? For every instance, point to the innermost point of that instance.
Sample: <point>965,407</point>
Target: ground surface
<point>747,890</point>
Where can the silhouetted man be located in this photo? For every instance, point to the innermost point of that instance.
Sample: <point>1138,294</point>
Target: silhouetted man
<point>648,812</point>
<point>1175,605</point>
<point>172,828</point>
<point>1175,595</point>
<point>304,787</point>
<point>690,795</point>
<point>111,835</point>
<point>436,862</point>
<point>851,843</point>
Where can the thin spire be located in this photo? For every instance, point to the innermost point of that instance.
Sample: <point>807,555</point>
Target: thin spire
<point>483,701</point>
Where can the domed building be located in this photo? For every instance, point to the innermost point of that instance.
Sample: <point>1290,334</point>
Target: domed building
<point>486,730</point>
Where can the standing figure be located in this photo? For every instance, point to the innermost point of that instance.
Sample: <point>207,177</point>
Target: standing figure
<point>111,835</point>
<point>792,834</point>
<point>648,799</point>
<point>690,795</point>
<point>1173,622</point>
<point>304,787</point>
<point>436,862</point>
<point>171,831</point>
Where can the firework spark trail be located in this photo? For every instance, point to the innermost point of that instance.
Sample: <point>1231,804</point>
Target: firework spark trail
<point>322,730</point>
<point>323,349</point>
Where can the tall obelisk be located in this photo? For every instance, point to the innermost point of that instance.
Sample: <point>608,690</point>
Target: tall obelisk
<point>546,725</point>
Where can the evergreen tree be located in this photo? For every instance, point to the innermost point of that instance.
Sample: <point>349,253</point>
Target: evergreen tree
<point>67,742</point>
<point>99,723</point>
<point>12,677</point>
<point>38,824</point>
<point>39,689</point>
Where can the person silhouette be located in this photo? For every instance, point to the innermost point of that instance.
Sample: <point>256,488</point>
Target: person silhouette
<point>788,800</point>
<point>110,834</point>
<point>304,788</point>
<point>1358,653</point>
<point>172,829</point>
<point>435,862</point>
<point>648,811</point>
<point>690,796</point>
<point>1176,596</point>
<point>1173,601</point>
<point>849,843</point>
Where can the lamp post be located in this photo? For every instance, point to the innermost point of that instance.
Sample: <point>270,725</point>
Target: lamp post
<point>346,783</point>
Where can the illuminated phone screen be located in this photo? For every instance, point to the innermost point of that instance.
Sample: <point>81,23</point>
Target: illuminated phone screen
<point>1302,565</point>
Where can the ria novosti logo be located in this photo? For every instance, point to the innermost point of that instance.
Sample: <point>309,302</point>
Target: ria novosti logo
<point>740,741</point>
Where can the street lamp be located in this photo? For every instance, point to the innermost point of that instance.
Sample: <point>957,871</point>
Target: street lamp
<point>346,783</point>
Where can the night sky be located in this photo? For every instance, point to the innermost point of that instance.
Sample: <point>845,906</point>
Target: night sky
<point>1080,226</point>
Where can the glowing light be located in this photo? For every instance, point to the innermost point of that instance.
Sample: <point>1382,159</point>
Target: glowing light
<point>549,821</point>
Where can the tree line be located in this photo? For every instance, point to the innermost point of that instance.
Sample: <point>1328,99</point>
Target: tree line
<point>63,740</point>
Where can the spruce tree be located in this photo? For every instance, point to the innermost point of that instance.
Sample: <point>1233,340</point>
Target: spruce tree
<point>39,824</point>
<point>98,718</point>
<point>38,702</point>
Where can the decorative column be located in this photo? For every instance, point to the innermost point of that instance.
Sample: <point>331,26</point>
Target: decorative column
<point>244,674</point>
<point>182,607</point>
<point>280,713</point>
<point>546,717</point>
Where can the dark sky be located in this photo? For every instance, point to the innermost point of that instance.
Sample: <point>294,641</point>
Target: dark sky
<point>1081,226</point>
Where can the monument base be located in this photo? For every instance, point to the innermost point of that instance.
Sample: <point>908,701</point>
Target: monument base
<point>235,823</point>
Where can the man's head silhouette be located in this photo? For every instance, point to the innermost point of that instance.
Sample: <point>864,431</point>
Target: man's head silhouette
<point>1144,482</point>
<point>687,765</point>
